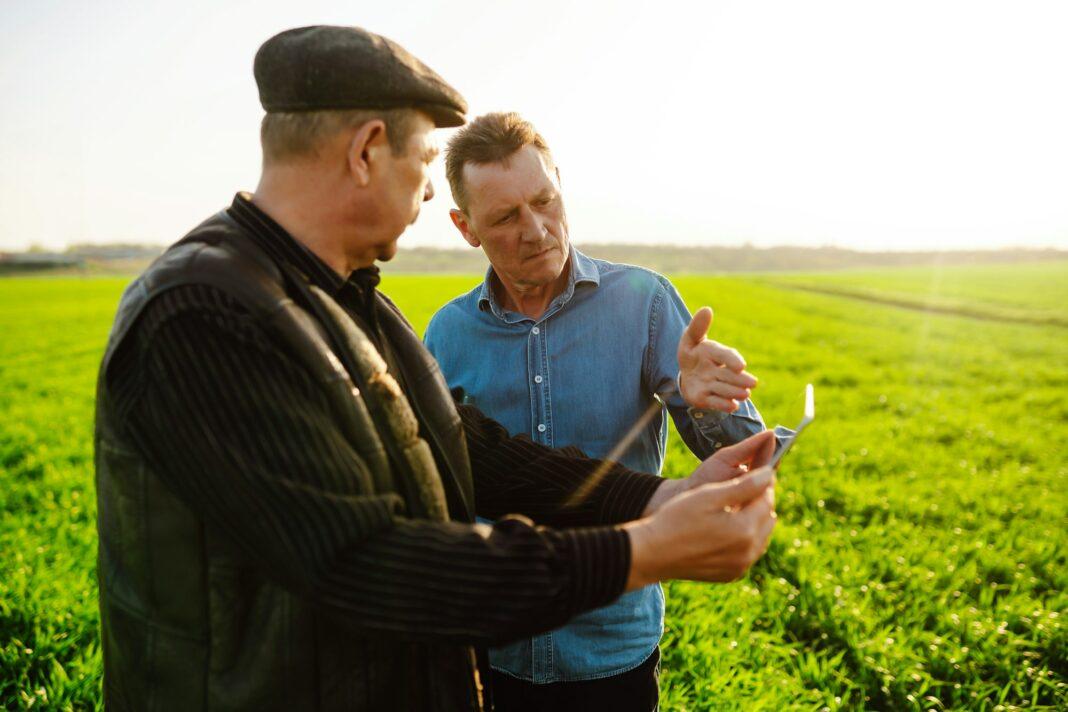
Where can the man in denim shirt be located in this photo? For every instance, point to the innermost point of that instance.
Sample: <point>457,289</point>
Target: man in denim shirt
<point>549,344</point>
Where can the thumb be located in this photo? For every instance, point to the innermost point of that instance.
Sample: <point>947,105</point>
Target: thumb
<point>698,328</point>
<point>742,490</point>
<point>755,449</point>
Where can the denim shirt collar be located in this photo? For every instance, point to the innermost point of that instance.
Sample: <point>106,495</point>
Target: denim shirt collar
<point>581,270</point>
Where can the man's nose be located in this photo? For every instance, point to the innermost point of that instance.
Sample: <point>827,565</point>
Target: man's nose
<point>428,193</point>
<point>533,229</point>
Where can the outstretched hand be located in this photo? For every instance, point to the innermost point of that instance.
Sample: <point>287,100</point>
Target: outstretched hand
<point>712,375</point>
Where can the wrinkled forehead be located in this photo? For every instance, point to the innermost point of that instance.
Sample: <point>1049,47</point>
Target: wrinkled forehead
<point>522,176</point>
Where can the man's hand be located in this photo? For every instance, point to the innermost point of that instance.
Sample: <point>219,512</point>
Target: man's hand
<point>711,375</point>
<point>714,532</point>
<point>730,462</point>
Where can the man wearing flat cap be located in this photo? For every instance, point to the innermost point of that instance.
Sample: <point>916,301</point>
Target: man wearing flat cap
<point>286,490</point>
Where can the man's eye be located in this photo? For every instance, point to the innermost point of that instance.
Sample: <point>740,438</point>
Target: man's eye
<point>503,220</point>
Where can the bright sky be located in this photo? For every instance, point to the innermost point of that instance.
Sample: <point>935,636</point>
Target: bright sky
<point>871,125</point>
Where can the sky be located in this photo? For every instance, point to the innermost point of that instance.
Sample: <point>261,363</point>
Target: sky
<point>868,125</point>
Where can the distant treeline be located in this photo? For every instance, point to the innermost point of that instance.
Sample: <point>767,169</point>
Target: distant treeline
<point>672,259</point>
<point>80,259</point>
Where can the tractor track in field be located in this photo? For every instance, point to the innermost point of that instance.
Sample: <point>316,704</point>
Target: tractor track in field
<point>1006,318</point>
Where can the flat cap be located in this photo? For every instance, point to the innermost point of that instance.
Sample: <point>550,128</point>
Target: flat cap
<point>328,67</point>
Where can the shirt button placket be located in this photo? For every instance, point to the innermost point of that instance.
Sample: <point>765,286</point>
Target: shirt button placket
<point>537,349</point>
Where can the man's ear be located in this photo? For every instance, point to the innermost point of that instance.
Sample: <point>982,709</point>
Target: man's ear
<point>364,148</point>
<point>461,223</point>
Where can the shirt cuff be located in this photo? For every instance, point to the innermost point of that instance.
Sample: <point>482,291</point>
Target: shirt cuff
<point>707,421</point>
<point>600,565</point>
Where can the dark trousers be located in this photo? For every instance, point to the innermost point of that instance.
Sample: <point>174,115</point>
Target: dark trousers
<point>636,690</point>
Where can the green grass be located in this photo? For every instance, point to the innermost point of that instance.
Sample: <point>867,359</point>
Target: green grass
<point>919,561</point>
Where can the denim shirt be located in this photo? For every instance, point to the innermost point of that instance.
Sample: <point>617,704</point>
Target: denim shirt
<point>581,375</point>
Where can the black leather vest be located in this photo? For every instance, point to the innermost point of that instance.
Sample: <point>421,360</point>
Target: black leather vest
<point>187,622</point>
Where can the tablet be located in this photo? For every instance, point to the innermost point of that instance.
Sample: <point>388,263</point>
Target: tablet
<point>810,415</point>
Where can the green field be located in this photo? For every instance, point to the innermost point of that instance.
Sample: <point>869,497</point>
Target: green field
<point>1035,293</point>
<point>919,562</point>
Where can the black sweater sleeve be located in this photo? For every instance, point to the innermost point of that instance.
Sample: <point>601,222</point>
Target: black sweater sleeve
<point>515,474</point>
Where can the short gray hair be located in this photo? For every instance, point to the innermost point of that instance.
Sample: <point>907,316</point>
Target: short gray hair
<point>286,135</point>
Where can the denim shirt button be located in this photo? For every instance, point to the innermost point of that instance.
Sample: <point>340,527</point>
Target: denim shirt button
<point>541,427</point>
<point>535,331</point>
<point>537,379</point>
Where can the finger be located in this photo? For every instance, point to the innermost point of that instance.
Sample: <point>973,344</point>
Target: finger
<point>768,522</point>
<point>742,490</point>
<point>764,529</point>
<point>748,450</point>
<point>711,402</point>
<point>726,390</point>
<point>721,474</point>
<point>766,452</point>
<point>756,510</point>
<point>708,372</point>
<point>725,355</point>
<point>744,379</point>
<point>762,505</point>
<point>699,325</point>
